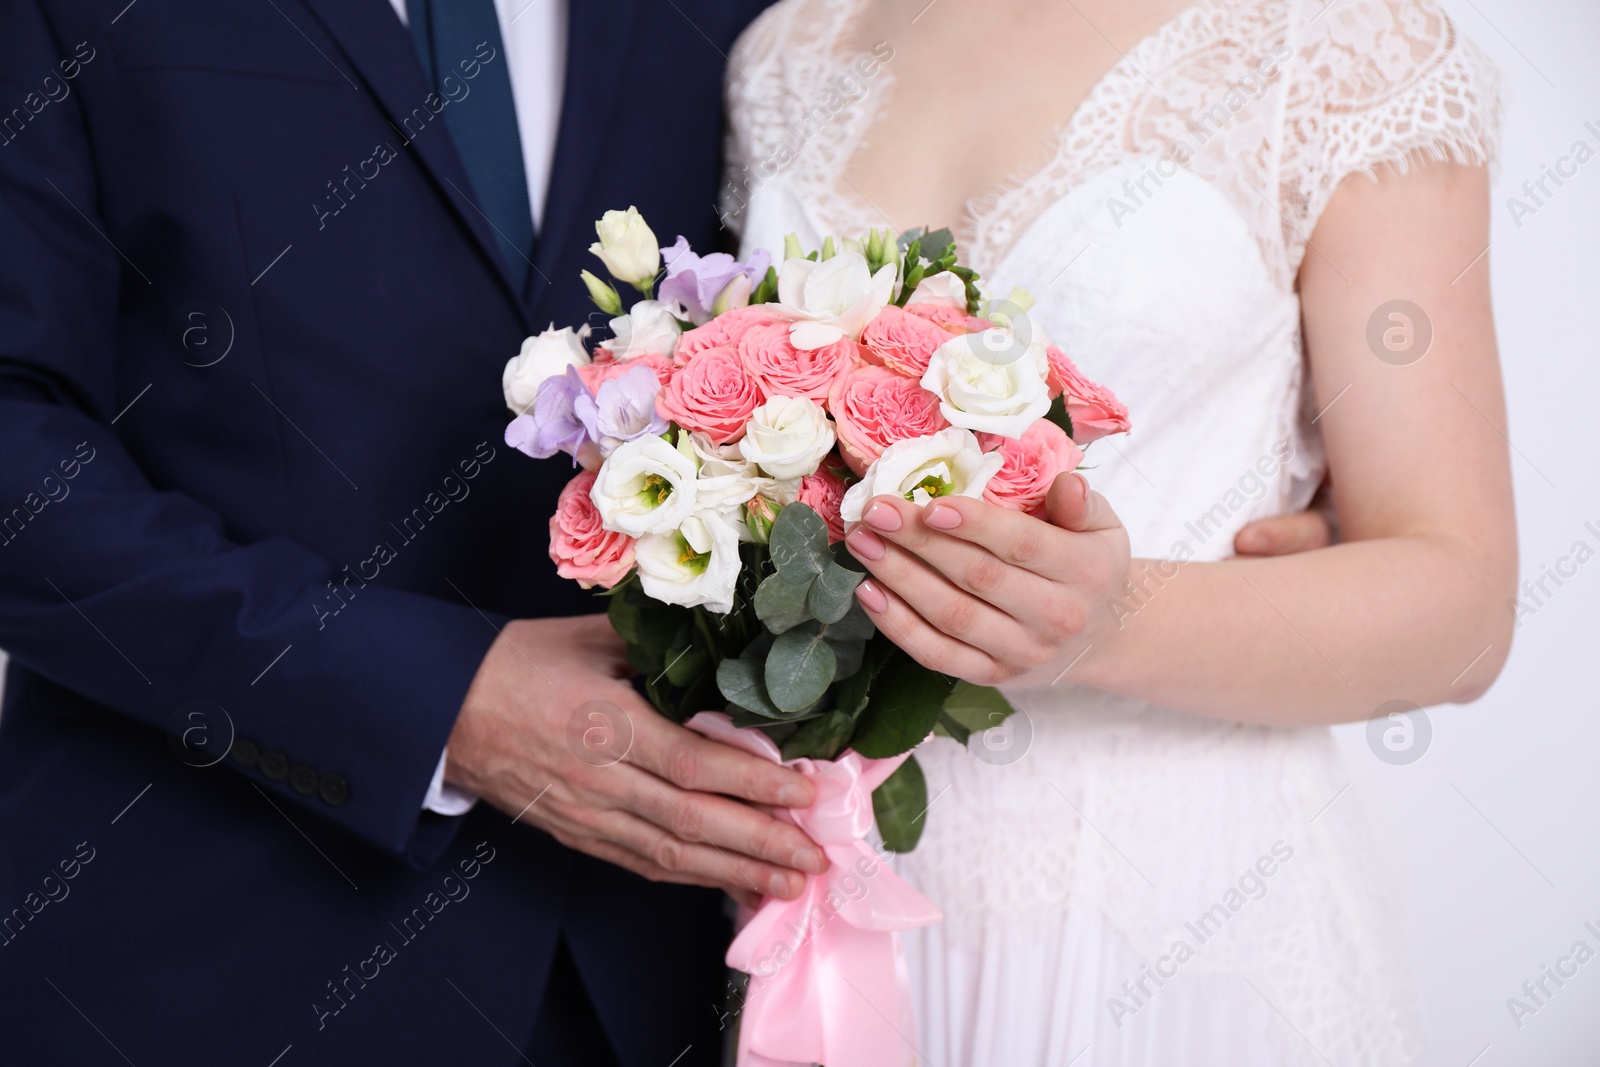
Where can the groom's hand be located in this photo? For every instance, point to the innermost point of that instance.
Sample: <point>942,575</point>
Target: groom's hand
<point>674,806</point>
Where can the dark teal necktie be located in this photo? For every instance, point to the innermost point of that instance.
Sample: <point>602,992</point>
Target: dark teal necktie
<point>483,123</point>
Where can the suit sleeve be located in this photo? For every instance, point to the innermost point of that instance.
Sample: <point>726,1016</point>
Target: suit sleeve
<point>133,595</point>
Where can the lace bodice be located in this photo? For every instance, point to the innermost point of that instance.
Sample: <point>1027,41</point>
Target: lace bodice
<point>1274,102</point>
<point>1162,240</point>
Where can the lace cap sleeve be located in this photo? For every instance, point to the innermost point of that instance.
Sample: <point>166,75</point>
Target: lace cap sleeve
<point>1387,83</point>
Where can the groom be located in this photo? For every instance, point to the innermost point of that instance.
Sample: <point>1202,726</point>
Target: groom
<point>276,595</point>
<point>261,544</point>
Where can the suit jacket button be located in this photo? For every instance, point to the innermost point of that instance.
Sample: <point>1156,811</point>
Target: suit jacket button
<point>245,753</point>
<point>303,779</point>
<point>274,765</point>
<point>335,790</point>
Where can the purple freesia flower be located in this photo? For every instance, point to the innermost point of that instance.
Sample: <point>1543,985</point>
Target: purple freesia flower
<point>554,425</point>
<point>694,282</point>
<point>622,409</point>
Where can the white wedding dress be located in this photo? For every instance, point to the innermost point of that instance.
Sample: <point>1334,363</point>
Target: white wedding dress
<point>1133,885</point>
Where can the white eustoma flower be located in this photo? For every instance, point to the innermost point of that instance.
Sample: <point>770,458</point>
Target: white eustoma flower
<point>944,289</point>
<point>627,247</point>
<point>990,382</point>
<point>695,565</point>
<point>645,487</point>
<point>544,355</point>
<point>647,327</point>
<point>726,479</point>
<point>787,437</point>
<point>948,463</point>
<point>831,300</point>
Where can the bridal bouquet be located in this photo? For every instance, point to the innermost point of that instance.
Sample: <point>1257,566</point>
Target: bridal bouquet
<point>736,420</point>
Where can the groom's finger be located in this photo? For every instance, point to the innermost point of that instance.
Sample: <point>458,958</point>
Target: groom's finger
<point>690,761</point>
<point>684,861</point>
<point>727,824</point>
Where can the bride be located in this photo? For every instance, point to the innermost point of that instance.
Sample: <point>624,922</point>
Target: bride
<point>1263,223</point>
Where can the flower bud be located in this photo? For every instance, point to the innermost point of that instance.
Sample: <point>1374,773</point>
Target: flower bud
<point>759,515</point>
<point>603,294</point>
<point>628,248</point>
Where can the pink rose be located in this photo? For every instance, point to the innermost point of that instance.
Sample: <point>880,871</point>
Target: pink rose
<point>903,340</point>
<point>823,492</point>
<point>582,548</point>
<point>1095,410</point>
<point>603,370</point>
<point>784,370</point>
<point>1032,463</point>
<point>712,394</point>
<point>873,407</point>
<point>724,331</point>
<point>956,320</point>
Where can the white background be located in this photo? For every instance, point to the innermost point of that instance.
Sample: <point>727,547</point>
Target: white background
<point>1481,916</point>
<point>1490,838</point>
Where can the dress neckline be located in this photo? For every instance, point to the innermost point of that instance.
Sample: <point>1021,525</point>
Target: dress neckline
<point>978,210</point>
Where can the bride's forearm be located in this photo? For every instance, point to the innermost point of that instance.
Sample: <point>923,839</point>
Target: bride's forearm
<point>1325,636</point>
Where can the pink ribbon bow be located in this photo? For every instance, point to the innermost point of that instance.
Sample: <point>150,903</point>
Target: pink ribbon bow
<point>828,979</point>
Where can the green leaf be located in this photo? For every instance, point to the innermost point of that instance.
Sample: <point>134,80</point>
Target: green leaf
<point>952,728</point>
<point>799,669</point>
<point>849,655</point>
<point>701,695</point>
<point>851,693</point>
<point>900,804</point>
<point>1058,413</point>
<point>740,682</point>
<point>904,705</point>
<point>937,240</point>
<point>767,291</point>
<point>639,620</point>
<point>976,707</point>
<point>799,543</point>
<point>781,604</point>
<point>685,665</point>
<point>908,236</point>
<point>644,660</point>
<point>843,557</point>
<point>820,738</point>
<point>855,626</point>
<point>833,592</point>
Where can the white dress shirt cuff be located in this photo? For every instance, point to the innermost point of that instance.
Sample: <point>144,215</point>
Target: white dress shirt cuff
<point>444,798</point>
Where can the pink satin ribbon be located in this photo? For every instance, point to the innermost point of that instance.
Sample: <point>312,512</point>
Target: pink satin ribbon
<point>828,979</point>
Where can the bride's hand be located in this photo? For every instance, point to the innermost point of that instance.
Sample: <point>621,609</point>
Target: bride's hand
<point>988,594</point>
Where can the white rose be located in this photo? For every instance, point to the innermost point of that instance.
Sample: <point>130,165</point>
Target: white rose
<point>944,289</point>
<point>647,327</point>
<point>831,300</point>
<point>545,355</point>
<point>693,565</point>
<point>990,382</point>
<point>948,463</point>
<point>627,247</point>
<point>787,437</point>
<point>645,487</point>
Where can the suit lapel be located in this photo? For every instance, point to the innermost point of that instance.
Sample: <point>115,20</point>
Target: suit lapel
<point>380,49</point>
<point>589,96</point>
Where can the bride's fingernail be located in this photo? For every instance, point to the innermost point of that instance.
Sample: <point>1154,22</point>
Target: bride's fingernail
<point>865,544</point>
<point>871,596</point>
<point>882,516</point>
<point>942,517</point>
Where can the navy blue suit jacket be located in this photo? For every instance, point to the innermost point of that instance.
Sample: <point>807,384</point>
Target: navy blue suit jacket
<point>254,493</point>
